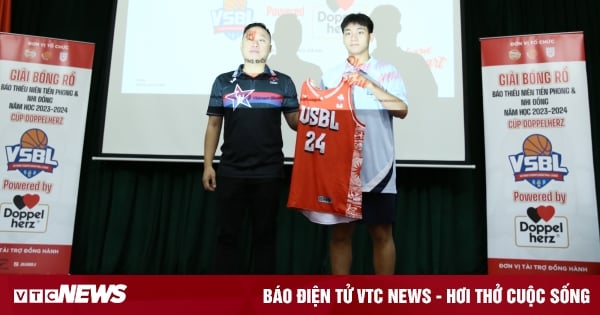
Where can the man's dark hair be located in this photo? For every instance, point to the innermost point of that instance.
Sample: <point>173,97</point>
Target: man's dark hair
<point>360,19</point>
<point>257,24</point>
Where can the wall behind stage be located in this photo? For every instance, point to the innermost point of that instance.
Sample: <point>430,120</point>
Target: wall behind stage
<point>135,218</point>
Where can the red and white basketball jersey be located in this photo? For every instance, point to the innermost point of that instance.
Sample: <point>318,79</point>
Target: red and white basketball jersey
<point>328,153</point>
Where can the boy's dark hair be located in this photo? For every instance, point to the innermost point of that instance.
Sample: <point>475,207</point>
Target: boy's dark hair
<point>257,24</point>
<point>358,18</point>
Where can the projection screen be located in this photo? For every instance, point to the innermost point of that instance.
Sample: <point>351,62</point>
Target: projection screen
<point>165,56</point>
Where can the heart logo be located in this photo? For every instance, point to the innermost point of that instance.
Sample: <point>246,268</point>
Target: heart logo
<point>345,4</point>
<point>532,213</point>
<point>339,4</point>
<point>18,201</point>
<point>31,200</point>
<point>546,212</point>
<point>542,212</point>
<point>27,200</point>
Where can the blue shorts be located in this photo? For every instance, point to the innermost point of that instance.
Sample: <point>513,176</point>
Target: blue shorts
<point>378,208</point>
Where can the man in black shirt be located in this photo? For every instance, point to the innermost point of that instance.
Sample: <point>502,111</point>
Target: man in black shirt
<point>250,102</point>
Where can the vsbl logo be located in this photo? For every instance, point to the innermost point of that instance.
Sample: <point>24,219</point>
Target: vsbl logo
<point>537,164</point>
<point>32,155</point>
<point>231,18</point>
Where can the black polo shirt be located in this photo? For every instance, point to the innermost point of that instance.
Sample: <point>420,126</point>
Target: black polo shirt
<point>252,110</point>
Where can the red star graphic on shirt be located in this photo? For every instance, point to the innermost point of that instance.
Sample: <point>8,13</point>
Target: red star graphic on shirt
<point>239,97</point>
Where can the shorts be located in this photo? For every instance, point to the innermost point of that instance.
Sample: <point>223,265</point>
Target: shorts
<point>378,208</point>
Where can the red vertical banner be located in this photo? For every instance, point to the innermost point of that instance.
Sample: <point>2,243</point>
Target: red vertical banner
<point>541,205</point>
<point>44,90</point>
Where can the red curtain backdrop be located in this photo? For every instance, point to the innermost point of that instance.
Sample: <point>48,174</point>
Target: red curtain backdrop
<point>5,15</point>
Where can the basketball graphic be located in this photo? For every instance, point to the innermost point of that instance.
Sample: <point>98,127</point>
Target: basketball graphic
<point>232,5</point>
<point>537,145</point>
<point>34,138</point>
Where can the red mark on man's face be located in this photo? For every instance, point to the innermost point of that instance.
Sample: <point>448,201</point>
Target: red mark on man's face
<point>250,35</point>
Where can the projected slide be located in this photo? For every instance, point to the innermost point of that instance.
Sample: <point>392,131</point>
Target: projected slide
<point>165,58</point>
